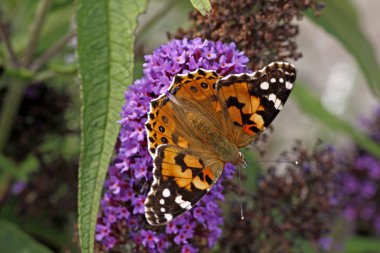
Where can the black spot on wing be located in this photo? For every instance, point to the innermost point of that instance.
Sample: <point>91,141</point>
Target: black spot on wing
<point>179,159</point>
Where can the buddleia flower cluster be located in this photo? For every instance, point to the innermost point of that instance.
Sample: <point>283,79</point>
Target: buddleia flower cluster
<point>361,181</point>
<point>121,222</point>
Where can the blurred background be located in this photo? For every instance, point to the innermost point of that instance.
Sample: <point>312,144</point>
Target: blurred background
<point>40,110</point>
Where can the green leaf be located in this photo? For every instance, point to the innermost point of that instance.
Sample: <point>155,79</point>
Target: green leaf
<point>356,244</point>
<point>306,246</point>
<point>339,18</point>
<point>28,166</point>
<point>7,167</point>
<point>20,171</point>
<point>311,105</point>
<point>363,244</point>
<point>203,6</point>
<point>13,239</point>
<point>6,164</point>
<point>21,14</point>
<point>105,49</point>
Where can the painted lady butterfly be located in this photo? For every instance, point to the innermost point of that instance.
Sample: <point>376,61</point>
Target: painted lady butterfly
<point>199,125</point>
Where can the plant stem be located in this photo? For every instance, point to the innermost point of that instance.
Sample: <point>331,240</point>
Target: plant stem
<point>8,46</point>
<point>10,107</point>
<point>51,52</point>
<point>36,27</point>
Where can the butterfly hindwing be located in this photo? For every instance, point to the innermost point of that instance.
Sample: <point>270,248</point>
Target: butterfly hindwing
<point>252,101</point>
<point>181,179</point>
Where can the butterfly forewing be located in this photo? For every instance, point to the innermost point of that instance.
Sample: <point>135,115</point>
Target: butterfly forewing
<point>162,125</point>
<point>252,101</point>
<point>195,92</point>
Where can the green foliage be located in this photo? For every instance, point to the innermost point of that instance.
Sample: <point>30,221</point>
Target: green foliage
<point>203,6</point>
<point>105,49</point>
<point>339,18</point>
<point>312,105</point>
<point>20,172</point>
<point>253,169</point>
<point>355,244</point>
<point>363,245</point>
<point>58,22</point>
<point>32,35</point>
<point>12,240</point>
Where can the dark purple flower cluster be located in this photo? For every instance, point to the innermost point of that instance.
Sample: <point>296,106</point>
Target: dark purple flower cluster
<point>293,201</point>
<point>121,219</point>
<point>361,182</point>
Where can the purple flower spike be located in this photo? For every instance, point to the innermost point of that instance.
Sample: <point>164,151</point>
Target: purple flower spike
<point>121,218</point>
<point>361,183</point>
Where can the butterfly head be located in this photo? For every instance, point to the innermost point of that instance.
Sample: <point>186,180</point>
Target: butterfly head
<point>241,161</point>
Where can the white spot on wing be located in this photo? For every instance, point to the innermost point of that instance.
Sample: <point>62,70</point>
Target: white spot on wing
<point>183,204</point>
<point>288,85</point>
<point>264,85</point>
<point>162,209</point>
<point>186,205</point>
<point>168,216</point>
<point>281,80</point>
<point>162,201</point>
<point>166,193</point>
<point>272,97</point>
<point>277,104</point>
<point>273,80</point>
<point>179,199</point>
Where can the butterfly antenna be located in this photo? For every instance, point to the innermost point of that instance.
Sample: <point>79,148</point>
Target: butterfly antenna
<point>241,202</point>
<point>296,162</point>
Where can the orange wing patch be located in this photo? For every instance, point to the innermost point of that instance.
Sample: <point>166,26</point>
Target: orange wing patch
<point>162,125</point>
<point>181,179</point>
<point>199,86</point>
<point>204,180</point>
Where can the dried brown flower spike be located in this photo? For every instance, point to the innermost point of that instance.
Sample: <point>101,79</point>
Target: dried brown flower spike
<point>292,202</point>
<point>263,29</point>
